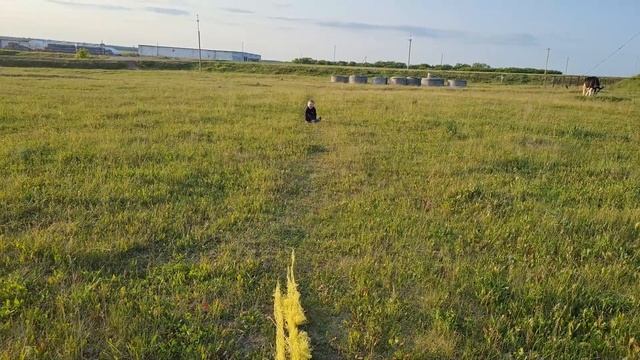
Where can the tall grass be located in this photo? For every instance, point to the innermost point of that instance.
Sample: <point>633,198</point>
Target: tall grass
<point>289,314</point>
<point>278,313</point>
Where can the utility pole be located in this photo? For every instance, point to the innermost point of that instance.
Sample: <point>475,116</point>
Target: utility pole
<point>441,59</point>
<point>566,67</point>
<point>546,66</point>
<point>243,56</point>
<point>334,53</point>
<point>199,46</point>
<point>409,60</point>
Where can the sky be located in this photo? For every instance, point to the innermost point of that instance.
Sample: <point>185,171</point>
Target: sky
<point>495,32</point>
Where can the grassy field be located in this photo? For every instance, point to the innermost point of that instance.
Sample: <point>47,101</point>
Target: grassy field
<point>149,214</point>
<point>11,58</point>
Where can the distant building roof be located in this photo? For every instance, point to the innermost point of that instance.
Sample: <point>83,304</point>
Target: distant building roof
<point>184,48</point>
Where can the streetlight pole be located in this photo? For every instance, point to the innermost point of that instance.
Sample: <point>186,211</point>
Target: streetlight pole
<point>409,60</point>
<point>199,46</point>
<point>566,67</point>
<point>334,53</point>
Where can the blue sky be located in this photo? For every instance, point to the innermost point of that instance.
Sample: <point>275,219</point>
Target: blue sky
<point>496,32</point>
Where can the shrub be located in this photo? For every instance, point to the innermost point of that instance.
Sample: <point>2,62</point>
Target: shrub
<point>82,53</point>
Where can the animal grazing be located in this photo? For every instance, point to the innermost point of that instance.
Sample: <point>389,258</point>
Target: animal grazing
<point>591,86</point>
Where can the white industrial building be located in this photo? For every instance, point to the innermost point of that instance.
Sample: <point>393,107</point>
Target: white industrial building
<point>29,44</point>
<point>187,53</point>
<point>7,42</point>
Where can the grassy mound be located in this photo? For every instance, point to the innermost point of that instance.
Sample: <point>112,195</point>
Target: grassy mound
<point>628,85</point>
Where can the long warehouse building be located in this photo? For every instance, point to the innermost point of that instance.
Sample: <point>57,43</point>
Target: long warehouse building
<point>187,53</point>
<point>30,44</point>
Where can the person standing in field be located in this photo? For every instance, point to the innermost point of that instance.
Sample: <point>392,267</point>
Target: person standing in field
<point>310,114</point>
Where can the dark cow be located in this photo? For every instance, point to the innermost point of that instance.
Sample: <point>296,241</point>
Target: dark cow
<point>591,86</point>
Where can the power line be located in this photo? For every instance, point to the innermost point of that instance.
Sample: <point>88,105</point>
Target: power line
<point>613,53</point>
<point>546,63</point>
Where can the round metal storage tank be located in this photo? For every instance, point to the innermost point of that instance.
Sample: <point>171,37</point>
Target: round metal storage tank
<point>396,80</point>
<point>357,79</point>
<point>379,80</point>
<point>339,79</point>
<point>458,83</point>
<point>413,81</point>
<point>432,82</point>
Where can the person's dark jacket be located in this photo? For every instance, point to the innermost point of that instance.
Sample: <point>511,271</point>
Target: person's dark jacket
<point>310,114</point>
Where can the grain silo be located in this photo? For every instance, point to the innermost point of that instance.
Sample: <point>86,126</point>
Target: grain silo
<point>458,83</point>
<point>398,80</point>
<point>413,81</point>
<point>432,82</point>
<point>379,80</point>
<point>339,79</point>
<point>357,79</point>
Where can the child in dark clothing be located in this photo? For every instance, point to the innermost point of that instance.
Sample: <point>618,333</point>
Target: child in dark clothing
<point>310,114</point>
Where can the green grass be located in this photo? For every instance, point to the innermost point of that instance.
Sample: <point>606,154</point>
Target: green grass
<point>631,86</point>
<point>148,214</point>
